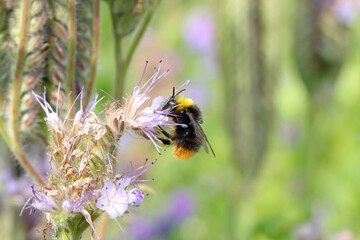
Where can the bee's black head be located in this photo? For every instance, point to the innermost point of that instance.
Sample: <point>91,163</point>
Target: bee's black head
<point>172,101</point>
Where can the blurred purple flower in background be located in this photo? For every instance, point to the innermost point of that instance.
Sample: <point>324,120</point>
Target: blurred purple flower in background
<point>180,205</point>
<point>200,93</point>
<point>290,133</point>
<point>199,31</point>
<point>311,230</point>
<point>15,189</point>
<point>13,185</point>
<point>347,11</point>
<point>13,178</point>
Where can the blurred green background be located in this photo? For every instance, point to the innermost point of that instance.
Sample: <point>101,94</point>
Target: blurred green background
<point>278,85</point>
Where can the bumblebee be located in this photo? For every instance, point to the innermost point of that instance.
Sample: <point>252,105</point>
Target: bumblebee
<point>186,140</point>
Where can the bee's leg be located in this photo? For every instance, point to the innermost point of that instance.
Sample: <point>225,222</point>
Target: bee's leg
<point>165,141</point>
<point>166,134</point>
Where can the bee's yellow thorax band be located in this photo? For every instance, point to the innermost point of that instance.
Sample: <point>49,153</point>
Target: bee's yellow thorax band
<point>184,103</point>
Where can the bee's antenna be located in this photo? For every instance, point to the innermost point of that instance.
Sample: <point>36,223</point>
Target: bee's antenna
<point>185,84</point>
<point>183,90</point>
<point>173,92</point>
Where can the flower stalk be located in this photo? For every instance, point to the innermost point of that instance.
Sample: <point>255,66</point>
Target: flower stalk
<point>17,145</point>
<point>95,51</point>
<point>72,50</point>
<point>123,62</point>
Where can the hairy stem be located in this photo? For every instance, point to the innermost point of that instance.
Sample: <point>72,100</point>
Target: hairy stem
<point>95,51</point>
<point>5,134</point>
<point>72,56</point>
<point>16,146</point>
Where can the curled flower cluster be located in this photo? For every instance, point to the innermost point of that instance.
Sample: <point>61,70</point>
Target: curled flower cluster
<point>144,121</point>
<point>82,154</point>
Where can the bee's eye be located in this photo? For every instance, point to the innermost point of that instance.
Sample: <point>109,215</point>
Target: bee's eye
<point>172,102</point>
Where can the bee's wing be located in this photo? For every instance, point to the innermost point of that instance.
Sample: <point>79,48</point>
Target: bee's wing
<point>200,133</point>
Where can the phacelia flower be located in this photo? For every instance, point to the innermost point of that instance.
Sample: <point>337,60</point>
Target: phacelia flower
<point>114,201</point>
<point>52,118</point>
<point>139,119</point>
<point>83,150</point>
<point>135,197</point>
<point>43,202</point>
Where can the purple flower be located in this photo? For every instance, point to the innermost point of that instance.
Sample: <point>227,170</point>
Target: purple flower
<point>81,115</point>
<point>116,198</point>
<point>78,204</point>
<point>144,229</point>
<point>114,201</point>
<point>135,197</point>
<point>180,205</point>
<point>347,11</point>
<point>52,118</point>
<point>199,31</point>
<point>148,117</point>
<point>132,176</point>
<point>43,202</point>
<point>14,185</point>
<point>146,120</point>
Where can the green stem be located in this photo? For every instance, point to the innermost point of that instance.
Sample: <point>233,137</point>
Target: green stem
<point>78,225</point>
<point>62,234</point>
<point>16,146</point>
<point>5,134</point>
<point>102,226</point>
<point>72,56</point>
<point>120,72</point>
<point>258,88</point>
<point>95,51</point>
<point>123,65</point>
<point>75,235</point>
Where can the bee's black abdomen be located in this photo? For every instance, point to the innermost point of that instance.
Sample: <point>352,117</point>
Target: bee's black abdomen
<point>186,137</point>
